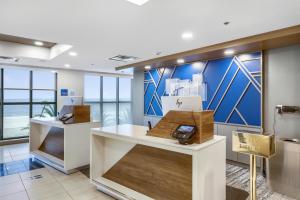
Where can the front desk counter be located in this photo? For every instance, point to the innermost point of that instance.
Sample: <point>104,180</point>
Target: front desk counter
<point>127,164</point>
<point>62,146</point>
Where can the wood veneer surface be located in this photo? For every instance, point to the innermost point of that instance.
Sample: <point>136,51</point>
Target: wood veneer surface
<point>203,120</point>
<point>157,173</point>
<point>54,143</point>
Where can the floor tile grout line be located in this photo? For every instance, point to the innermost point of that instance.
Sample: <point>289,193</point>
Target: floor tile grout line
<point>19,174</point>
<point>59,182</point>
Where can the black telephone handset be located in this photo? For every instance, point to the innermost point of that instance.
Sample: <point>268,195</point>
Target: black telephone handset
<point>66,117</point>
<point>185,133</point>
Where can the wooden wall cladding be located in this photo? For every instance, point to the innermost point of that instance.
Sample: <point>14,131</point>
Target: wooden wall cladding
<point>81,113</point>
<point>157,173</point>
<point>203,120</point>
<point>53,144</point>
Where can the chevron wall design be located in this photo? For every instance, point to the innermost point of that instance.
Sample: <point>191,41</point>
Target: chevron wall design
<point>233,88</point>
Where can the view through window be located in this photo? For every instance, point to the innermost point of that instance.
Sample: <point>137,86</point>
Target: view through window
<point>25,94</point>
<point>109,97</point>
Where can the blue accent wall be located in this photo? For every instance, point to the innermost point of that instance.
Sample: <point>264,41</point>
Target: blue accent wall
<point>233,87</point>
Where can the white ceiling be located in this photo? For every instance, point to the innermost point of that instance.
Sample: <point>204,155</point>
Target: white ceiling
<point>100,29</point>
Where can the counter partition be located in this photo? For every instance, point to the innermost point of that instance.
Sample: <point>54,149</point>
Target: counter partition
<point>128,164</point>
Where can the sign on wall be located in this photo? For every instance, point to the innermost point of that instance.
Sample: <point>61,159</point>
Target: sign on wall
<point>233,87</point>
<point>64,92</point>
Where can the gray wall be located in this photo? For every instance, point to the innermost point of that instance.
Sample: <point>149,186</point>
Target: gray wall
<point>282,86</point>
<point>138,98</point>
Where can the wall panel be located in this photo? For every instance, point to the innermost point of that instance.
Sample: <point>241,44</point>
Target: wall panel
<point>233,88</point>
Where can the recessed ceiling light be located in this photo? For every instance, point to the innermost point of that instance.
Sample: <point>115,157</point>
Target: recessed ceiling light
<point>73,53</point>
<point>38,43</point>
<point>197,65</point>
<point>67,65</point>
<point>147,67</point>
<point>180,61</point>
<point>138,2</point>
<point>187,35</point>
<point>229,52</point>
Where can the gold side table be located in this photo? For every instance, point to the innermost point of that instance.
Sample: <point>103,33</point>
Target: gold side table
<point>254,144</point>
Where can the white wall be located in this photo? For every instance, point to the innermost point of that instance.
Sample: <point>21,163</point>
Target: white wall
<point>71,80</point>
<point>282,86</point>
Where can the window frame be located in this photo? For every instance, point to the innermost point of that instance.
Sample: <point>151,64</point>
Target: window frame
<point>30,102</point>
<point>117,101</point>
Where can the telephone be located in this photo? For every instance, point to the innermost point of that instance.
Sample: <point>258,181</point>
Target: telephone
<point>185,133</point>
<point>64,118</point>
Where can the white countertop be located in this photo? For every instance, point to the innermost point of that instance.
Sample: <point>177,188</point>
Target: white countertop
<point>52,121</point>
<point>137,134</point>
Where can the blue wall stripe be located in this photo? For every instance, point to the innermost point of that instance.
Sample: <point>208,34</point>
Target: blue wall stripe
<point>235,119</point>
<point>232,95</point>
<point>235,101</point>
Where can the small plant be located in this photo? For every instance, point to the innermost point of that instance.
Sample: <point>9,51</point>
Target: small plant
<point>47,111</point>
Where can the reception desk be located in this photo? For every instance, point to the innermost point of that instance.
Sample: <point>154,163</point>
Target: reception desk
<point>62,146</point>
<point>127,164</point>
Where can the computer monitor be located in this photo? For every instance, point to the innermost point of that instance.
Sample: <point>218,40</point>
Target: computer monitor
<point>181,103</point>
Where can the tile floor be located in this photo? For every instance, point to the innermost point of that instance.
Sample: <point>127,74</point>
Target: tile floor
<point>41,182</point>
<point>44,183</point>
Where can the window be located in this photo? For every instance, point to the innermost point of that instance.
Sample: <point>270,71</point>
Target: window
<point>26,94</point>
<point>124,89</point>
<point>125,101</point>
<point>109,89</point>
<point>43,94</point>
<point>109,97</point>
<point>92,95</point>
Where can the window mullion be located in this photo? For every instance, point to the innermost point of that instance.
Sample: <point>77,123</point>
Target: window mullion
<point>30,93</point>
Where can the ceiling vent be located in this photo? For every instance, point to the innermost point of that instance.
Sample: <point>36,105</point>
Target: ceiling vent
<point>11,59</point>
<point>124,58</point>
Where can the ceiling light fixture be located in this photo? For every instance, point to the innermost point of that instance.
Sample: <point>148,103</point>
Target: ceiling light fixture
<point>229,52</point>
<point>67,65</point>
<point>147,67</point>
<point>138,2</point>
<point>39,43</point>
<point>187,35</point>
<point>197,65</point>
<point>180,61</point>
<point>73,53</point>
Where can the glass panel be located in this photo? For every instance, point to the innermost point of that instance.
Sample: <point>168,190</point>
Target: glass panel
<point>43,96</point>
<point>109,114</point>
<point>43,110</point>
<point>16,121</point>
<point>16,78</point>
<point>16,96</point>
<point>124,89</point>
<point>95,111</point>
<point>43,80</point>
<point>109,88</point>
<point>91,88</point>
<point>125,113</point>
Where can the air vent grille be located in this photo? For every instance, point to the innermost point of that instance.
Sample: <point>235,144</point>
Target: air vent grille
<point>124,58</point>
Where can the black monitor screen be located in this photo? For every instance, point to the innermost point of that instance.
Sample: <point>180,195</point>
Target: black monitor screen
<point>185,128</point>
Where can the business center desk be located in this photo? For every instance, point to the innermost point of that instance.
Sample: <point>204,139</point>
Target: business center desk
<point>65,147</point>
<point>127,164</point>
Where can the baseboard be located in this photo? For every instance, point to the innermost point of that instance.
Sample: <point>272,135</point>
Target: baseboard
<point>14,141</point>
